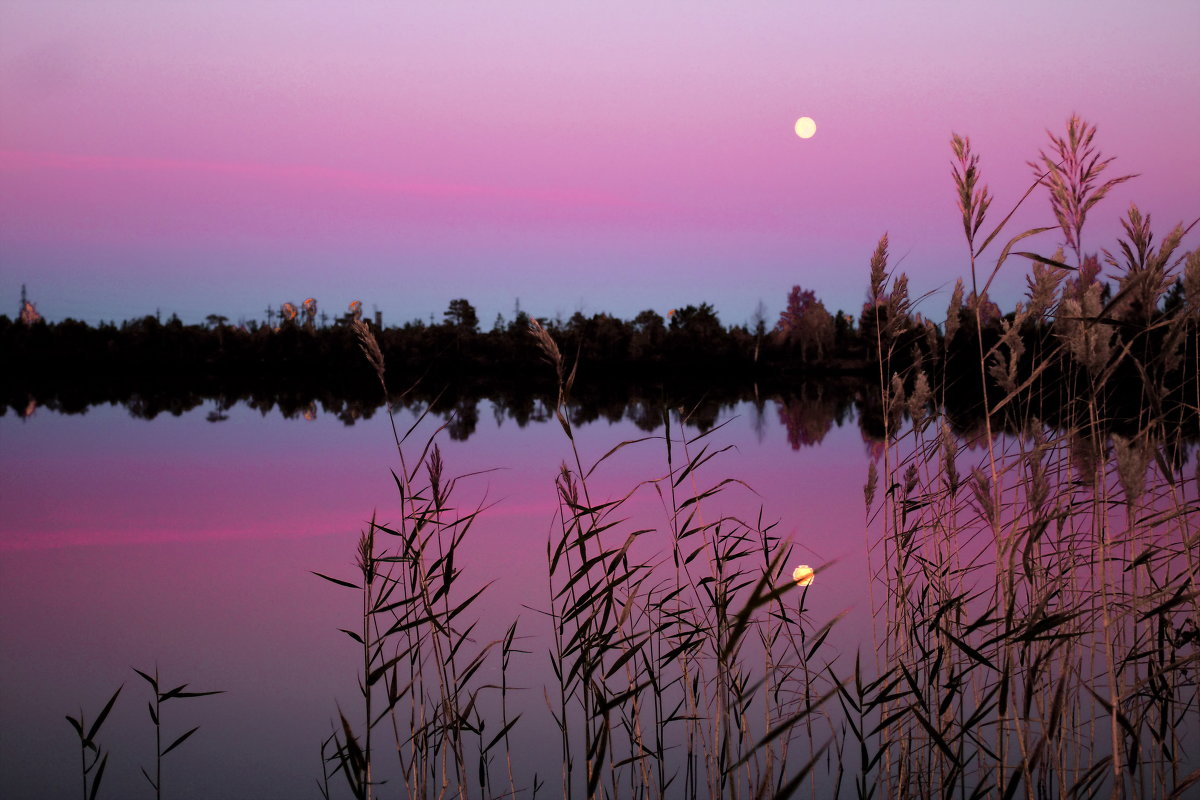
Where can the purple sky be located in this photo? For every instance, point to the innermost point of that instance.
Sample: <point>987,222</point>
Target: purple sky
<point>219,158</point>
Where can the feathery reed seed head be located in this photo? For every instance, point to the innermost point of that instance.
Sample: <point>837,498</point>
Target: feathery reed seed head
<point>918,403</point>
<point>365,557</point>
<point>369,345</point>
<point>879,269</point>
<point>1043,285</point>
<point>1071,171</point>
<point>952,311</point>
<point>869,487</point>
<point>1088,339</point>
<point>434,471</point>
<point>973,202</point>
<point>981,488</point>
<point>949,467</point>
<point>896,402</point>
<point>1133,458</point>
<point>1191,282</point>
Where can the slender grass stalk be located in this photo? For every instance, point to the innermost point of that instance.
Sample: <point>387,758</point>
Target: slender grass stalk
<point>90,783</point>
<point>155,707</point>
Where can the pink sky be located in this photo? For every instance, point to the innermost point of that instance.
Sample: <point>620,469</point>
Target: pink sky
<point>218,158</point>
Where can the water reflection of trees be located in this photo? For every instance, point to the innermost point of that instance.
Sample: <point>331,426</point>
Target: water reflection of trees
<point>807,410</point>
<point>810,411</point>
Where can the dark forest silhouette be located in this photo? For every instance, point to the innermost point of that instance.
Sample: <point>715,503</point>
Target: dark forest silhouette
<point>814,364</point>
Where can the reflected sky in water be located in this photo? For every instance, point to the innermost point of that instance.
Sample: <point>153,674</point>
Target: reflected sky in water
<point>189,545</point>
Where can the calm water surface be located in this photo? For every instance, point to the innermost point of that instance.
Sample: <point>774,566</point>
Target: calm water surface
<point>189,545</point>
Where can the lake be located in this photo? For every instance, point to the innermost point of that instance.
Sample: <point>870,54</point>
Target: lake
<point>187,544</point>
<point>191,545</point>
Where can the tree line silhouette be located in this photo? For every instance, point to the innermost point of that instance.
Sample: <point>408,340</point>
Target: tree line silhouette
<point>456,348</point>
<point>686,353</point>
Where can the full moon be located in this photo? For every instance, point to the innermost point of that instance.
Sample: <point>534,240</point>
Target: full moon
<point>805,127</point>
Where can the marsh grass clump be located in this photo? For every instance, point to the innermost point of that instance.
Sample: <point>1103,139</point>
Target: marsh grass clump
<point>422,670</point>
<point>682,671</point>
<point>1035,627</point>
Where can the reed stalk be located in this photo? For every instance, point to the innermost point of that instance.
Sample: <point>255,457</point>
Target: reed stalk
<point>89,782</point>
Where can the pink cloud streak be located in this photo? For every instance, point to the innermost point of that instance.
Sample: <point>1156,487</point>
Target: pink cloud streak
<point>21,160</point>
